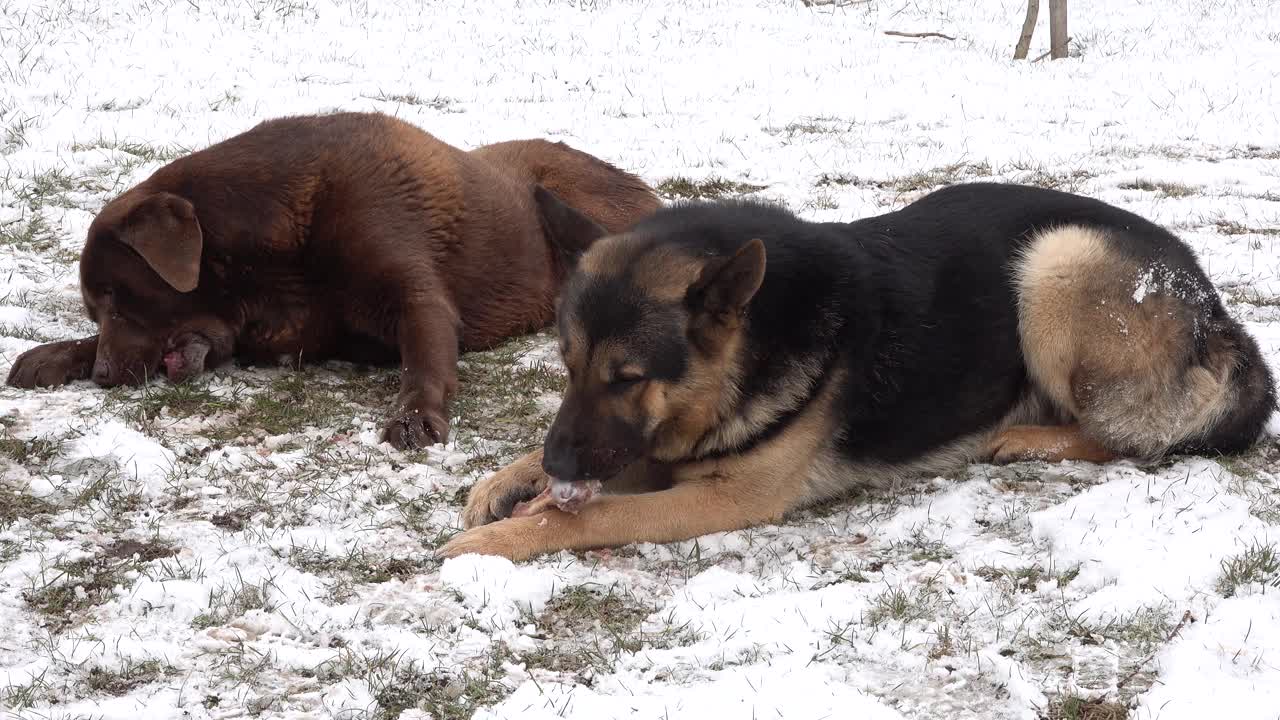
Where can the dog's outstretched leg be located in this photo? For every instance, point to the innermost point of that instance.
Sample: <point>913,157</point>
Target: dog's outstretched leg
<point>692,508</point>
<point>54,364</point>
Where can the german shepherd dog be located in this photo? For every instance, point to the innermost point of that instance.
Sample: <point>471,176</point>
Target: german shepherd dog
<point>736,363</point>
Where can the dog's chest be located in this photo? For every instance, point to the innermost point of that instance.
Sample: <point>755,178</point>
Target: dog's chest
<point>287,328</point>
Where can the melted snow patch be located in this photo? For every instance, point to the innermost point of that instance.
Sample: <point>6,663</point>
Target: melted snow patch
<point>1225,666</point>
<point>127,449</point>
<point>1144,539</point>
<point>786,690</point>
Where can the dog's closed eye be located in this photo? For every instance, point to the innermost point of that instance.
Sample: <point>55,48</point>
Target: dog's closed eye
<point>627,376</point>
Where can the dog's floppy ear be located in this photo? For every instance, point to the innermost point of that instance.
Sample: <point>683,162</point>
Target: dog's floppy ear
<point>726,284</point>
<point>568,229</point>
<point>163,229</point>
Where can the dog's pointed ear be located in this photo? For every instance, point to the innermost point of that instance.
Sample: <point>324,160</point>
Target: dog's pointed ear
<point>566,228</point>
<point>163,229</point>
<point>726,284</point>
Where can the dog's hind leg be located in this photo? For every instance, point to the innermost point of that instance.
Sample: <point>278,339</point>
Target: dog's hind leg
<point>1125,335</point>
<point>1049,443</point>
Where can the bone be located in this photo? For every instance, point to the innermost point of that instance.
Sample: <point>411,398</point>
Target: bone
<point>187,359</point>
<point>568,496</point>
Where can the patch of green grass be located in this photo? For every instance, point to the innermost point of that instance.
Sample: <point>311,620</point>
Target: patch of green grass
<point>34,451</point>
<point>146,403</point>
<point>848,576</point>
<point>919,547</point>
<point>25,332</point>
<point>1065,577</point>
<point>292,402</point>
<point>904,606</point>
<point>1023,579</point>
<point>812,126</point>
<point>128,677</point>
<point>15,134</point>
<point>445,694</point>
<point>843,179</point>
<point>1231,227</point>
<point>36,692</point>
<point>439,102</point>
<point>922,180</point>
<point>55,187</point>
<point>1142,629</point>
<point>234,599</point>
<point>497,412</point>
<point>142,152</point>
<point>1162,188</point>
<point>1078,708</point>
<point>16,505</point>
<point>1053,179</point>
<point>604,620</point>
<point>63,592</point>
<point>938,177</point>
<point>420,515</point>
<point>588,627</point>
<point>1258,563</point>
<point>356,567</point>
<point>31,232</point>
<point>1252,297</point>
<point>679,187</point>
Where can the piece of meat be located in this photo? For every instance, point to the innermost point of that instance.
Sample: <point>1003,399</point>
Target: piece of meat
<point>568,496</point>
<point>186,359</point>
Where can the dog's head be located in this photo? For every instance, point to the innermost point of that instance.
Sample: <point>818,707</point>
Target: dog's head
<point>140,274</point>
<point>650,332</point>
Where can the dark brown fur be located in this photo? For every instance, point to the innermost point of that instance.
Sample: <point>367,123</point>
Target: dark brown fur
<point>351,235</point>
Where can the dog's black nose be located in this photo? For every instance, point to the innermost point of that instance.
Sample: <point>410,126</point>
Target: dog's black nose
<point>560,463</point>
<point>102,372</point>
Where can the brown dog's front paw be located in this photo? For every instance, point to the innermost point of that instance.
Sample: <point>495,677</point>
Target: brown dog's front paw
<point>414,428</point>
<point>53,364</point>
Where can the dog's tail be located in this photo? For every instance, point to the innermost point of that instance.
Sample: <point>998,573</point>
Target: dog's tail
<point>612,198</point>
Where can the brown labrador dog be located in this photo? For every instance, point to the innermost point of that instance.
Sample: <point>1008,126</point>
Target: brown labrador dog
<point>352,235</point>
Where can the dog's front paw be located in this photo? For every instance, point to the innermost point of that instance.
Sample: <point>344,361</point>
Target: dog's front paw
<point>510,538</point>
<point>415,426</point>
<point>53,364</point>
<point>495,497</point>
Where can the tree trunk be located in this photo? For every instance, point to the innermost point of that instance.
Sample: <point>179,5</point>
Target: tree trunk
<point>1058,29</point>
<point>1028,29</point>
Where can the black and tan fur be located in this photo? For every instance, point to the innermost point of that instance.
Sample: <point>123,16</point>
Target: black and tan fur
<point>729,362</point>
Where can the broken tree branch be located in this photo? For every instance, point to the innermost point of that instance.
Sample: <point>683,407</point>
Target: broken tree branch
<point>1186,617</point>
<point>1045,55</point>
<point>895,33</point>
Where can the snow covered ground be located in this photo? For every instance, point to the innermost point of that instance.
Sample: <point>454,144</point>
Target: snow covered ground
<point>243,547</point>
